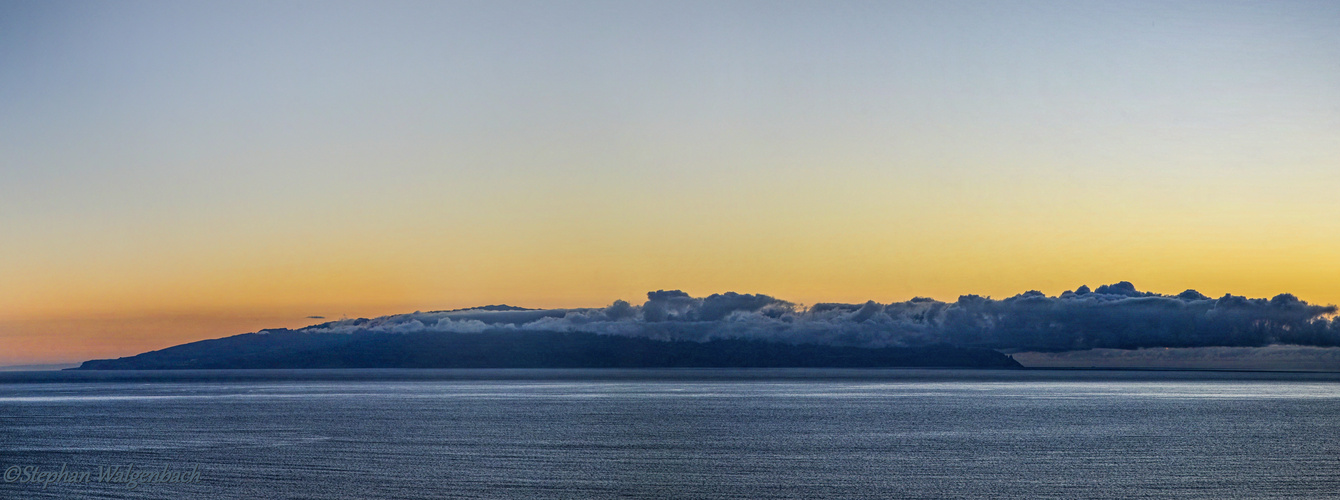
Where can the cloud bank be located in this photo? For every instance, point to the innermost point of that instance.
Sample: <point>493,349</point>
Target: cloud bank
<point>1116,316</point>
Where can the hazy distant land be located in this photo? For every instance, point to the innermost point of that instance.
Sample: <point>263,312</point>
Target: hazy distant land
<point>1269,358</point>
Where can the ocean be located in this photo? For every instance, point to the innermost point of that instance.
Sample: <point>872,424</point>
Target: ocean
<point>709,433</point>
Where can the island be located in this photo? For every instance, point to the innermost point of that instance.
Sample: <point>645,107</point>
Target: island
<point>502,348</point>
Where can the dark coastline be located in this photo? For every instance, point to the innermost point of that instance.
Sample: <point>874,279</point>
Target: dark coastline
<point>853,375</point>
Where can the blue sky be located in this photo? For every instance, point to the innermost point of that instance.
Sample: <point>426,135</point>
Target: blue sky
<point>272,160</point>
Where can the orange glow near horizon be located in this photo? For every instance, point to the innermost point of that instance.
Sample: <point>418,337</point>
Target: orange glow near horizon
<point>72,335</point>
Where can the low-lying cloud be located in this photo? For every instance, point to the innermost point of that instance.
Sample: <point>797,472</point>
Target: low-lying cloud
<point>1113,316</point>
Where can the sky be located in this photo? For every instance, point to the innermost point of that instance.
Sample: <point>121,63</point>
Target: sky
<point>173,171</point>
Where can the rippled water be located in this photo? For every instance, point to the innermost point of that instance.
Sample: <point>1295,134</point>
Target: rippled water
<point>681,433</point>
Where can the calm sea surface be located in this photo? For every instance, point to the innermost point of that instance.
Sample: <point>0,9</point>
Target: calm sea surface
<point>677,434</point>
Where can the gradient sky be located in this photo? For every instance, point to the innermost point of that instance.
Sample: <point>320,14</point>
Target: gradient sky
<point>172,171</point>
